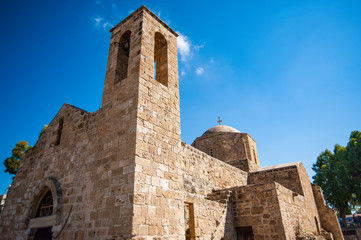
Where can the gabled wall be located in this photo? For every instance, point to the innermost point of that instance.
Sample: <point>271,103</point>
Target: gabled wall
<point>93,167</point>
<point>328,217</point>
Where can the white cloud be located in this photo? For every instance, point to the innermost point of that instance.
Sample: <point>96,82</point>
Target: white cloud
<point>131,11</point>
<point>184,47</point>
<point>97,21</point>
<point>107,25</point>
<point>101,23</point>
<point>200,71</point>
<point>197,47</point>
<point>212,61</point>
<point>183,73</point>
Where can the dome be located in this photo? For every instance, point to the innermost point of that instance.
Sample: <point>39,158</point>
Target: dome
<point>220,129</point>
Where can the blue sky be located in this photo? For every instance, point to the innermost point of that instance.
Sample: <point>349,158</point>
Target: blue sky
<point>286,72</point>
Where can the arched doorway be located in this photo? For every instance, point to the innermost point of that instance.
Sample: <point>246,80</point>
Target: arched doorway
<point>43,221</point>
<point>45,210</point>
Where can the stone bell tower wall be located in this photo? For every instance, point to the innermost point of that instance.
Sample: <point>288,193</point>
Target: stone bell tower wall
<point>158,208</point>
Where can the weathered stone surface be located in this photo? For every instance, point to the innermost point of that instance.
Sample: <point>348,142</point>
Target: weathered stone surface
<point>122,172</point>
<point>228,145</point>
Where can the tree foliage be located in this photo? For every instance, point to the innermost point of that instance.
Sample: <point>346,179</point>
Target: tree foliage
<point>43,130</point>
<point>338,173</point>
<point>12,163</point>
<point>353,154</point>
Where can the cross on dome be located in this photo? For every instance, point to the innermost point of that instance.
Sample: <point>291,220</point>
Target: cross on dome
<point>219,120</point>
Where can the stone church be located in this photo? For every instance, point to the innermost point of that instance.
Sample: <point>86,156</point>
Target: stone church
<point>123,172</point>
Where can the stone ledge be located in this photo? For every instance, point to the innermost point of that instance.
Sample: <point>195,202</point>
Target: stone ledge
<point>42,222</point>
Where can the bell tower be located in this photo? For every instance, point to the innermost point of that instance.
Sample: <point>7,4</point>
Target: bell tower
<point>141,94</point>
<point>141,82</point>
<point>142,70</point>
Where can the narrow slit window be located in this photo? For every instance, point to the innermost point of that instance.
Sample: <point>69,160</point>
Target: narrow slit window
<point>59,132</point>
<point>155,70</point>
<point>189,221</point>
<point>255,156</point>
<point>121,71</point>
<point>160,59</point>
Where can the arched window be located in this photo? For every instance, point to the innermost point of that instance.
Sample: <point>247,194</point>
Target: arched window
<point>45,207</point>
<point>45,210</point>
<point>121,71</point>
<point>160,59</point>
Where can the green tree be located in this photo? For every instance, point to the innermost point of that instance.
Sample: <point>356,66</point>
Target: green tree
<point>12,163</point>
<point>43,130</point>
<point>353,154</point>
<point>330,176</point>
<point>338,174</point>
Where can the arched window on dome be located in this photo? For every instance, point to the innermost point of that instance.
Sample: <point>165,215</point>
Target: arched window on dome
<point>121,71</point>
<point>45,207</point>
<point>160,59</point>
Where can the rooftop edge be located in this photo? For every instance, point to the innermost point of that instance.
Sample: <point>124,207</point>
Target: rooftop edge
<point>144,8</point>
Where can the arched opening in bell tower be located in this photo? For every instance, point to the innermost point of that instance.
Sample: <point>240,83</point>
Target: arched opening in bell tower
<point>121,71</point>
<point>160,59</point>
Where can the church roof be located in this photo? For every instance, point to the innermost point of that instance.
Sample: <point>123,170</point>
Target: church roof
<point>220,129</point>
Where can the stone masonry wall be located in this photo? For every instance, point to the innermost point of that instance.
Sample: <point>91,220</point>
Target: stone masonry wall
<point>201,175</point>
<point>245,165</point>
<point>297,198</point>
<point>165,170</point>
<point>158,200</point>
<point>257,206</point>
<point>328,219</point>
<point>93,167</point>
<point>228,146</point>
<point>273,212</point>
<point>311,216</point>
<point>94,162</point>
<point>297,216</point>
<point>287,176</point>
<point>122,172</point>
